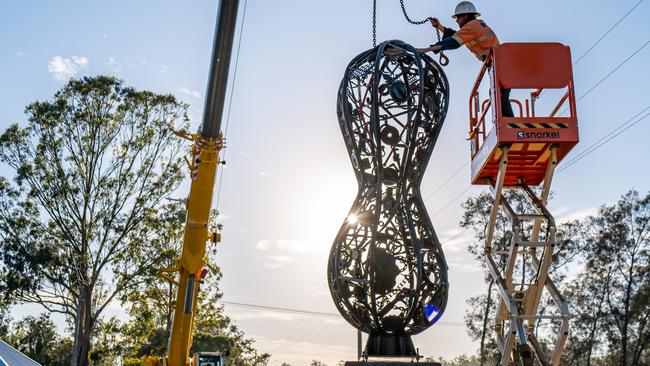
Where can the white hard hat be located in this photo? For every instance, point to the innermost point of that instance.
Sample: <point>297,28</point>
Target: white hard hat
<point>465,7</point>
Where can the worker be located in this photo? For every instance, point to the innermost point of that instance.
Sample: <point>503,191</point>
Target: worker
<point>475,35</point>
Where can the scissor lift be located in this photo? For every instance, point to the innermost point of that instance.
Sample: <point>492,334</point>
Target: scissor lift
<point>511,154</point>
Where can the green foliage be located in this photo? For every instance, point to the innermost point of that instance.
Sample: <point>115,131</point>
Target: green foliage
<point>80,226</point>
<point>462,360</point>
<point>5,321</point>
<point>36,337</point>
<point>150,308</point>
<point>107,346</point>
<point>215,332</point>
<point>611,296</point>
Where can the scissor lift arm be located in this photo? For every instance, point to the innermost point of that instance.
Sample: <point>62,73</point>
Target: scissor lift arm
<point>510,155</point>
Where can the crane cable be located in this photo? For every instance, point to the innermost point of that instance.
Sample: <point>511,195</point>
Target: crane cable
<point>444,60</point>
<point>232,91</point>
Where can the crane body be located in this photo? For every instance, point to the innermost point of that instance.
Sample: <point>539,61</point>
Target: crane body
<point>206,146</point>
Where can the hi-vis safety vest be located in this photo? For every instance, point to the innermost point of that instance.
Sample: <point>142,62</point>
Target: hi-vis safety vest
<point>478,37</point>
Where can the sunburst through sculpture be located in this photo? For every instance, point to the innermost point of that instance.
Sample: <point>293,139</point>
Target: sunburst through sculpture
<point>387,273</point>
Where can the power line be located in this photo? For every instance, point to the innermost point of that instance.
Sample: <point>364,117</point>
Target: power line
<point>605,139</point>
<point>307,312</point>
<point>297,329</point>
<point>447,181</point>
<point>613,71</point>
<point>578,100</point>
<point>450,202</point>
<point>603,36</point>
<point>608,75</point>
<point>284,310</point>
<point>608,31</point>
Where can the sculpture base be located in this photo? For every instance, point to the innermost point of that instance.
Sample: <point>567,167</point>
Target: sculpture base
<point>390,363</point>
<point>383,345</point>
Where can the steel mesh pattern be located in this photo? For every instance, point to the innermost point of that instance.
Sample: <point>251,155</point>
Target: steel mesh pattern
<point>387,272</point>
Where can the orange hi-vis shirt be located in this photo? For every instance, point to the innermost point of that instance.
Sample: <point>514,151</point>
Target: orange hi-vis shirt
<point>478,37</point>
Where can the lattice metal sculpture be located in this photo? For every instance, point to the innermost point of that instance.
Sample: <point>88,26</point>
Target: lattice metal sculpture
<point>387,273</point>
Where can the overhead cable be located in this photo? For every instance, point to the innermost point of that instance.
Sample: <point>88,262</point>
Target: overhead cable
<point>306,312</point>
<point>608,75</point>
<point>608,31</point>
<point>608,137</point>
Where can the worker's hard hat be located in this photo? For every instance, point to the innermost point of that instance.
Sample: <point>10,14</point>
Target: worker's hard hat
<point>465,7</point>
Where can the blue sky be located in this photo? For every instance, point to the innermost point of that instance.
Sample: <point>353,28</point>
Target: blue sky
<point>288,184</point>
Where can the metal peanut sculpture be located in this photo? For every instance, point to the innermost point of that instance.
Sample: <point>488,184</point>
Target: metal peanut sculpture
<point>387,272</point>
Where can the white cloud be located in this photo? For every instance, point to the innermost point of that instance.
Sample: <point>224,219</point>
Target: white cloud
<point>285,245</point>
<point>104,35</point>
<point>163,69</point>
<point>110,62</point>
<point>563,215</point>
<point>63,69</point>
<point>275,265</point>
<point>81,61</point>
<point>277,261</point>
<point>19,54</point>
<point>281,258</point>
<point>456,239</point>
<point>187,91</point>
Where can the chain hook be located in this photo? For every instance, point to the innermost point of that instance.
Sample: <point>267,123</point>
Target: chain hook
<point>444,60</point>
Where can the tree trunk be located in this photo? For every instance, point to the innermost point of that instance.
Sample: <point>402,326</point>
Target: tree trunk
<point>84,327</point>
<point>486,316</point>
<point>594,327</point>
<point>626,313</point>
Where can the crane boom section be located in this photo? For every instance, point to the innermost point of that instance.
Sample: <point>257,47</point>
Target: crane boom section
<point>219,67</point>
<point>203,167</point>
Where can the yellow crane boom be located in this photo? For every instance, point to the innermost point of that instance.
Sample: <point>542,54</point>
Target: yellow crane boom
<point>207,144</point>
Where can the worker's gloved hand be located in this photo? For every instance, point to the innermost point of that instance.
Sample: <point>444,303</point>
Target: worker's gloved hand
<point>434,48</point>
<point>435,22</point>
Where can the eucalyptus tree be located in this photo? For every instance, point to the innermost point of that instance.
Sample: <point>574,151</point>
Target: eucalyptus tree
<point>618,272</point>
<point>80,224</point>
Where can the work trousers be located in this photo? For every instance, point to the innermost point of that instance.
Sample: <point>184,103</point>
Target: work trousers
<point>506,107</point>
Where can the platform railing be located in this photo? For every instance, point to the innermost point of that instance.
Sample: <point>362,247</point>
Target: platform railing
<point>479,110</point>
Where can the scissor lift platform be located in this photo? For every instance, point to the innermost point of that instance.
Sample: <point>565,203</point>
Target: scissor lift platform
<point>510,154</point>
<point>529,136</point>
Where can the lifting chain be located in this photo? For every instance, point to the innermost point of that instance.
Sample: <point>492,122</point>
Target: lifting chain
<point>444,60</point>
<point>374,23</point>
